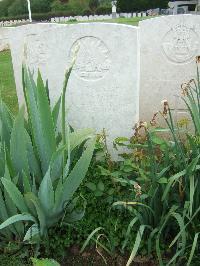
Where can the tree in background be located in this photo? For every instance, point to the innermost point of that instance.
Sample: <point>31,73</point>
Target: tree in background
<point>4,5</point>
<point>105,2</point>
<point>76,7</point>
<point>71,6</point>
<point>93,5</point>
<point>140,5</point>
<point>41,6</point>
<point>58,6</point>
<point>18,7</point>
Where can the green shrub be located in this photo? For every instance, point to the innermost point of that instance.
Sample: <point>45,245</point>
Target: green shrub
<point>87,12</point>
<point>93,5</point>
<point>40,16</point>
<point>103,10</point>
<point>38,6</point>
<point>75,6</point>
<point>14,260</point>
<point>44,262</point>
<point>4,5</point>
<point>18,7</point>
<point>98,214</point>
<point>166,208</point>
<point>58,6</point>
<point>41,167</point>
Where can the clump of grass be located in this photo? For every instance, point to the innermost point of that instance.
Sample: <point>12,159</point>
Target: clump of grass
<point>7,82</point>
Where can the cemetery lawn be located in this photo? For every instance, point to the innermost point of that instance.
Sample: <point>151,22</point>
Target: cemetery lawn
<point>129,21</point>
<point>7,83</point>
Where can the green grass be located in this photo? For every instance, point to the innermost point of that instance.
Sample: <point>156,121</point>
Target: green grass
<point>7,83</point>
<point>129,21</point>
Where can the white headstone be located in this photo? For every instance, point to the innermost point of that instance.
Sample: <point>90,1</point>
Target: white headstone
<point>85,18</point>
<point>104,85</point>
<point>108,16</point>
<point>91,17</point>
<point>169,46</point>
<point>4,38</point>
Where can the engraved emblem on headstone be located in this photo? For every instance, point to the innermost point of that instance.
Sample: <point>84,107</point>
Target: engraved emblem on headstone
<point>180,44</point>
<point>93,58</point>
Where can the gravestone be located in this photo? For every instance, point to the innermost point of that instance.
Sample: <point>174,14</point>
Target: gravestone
<point>103,88</point>
<point>169,46</point>
<point>4,38</point>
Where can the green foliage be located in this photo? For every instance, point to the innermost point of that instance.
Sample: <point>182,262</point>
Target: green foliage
<point>139,5</point>
<point>166,207</point>
<point>103,10</point>
<point>18,7</point>
<point>93,4</point>
<point>156,184</point>
<point>4,5</point>
<point>46,9</point>
<point>100,191</point>
<point>43,6</point>
<point>44,262</point>
<point>87,12</point>
<point>39,173</point>
<point>147,203</point>
<point>58,6</point>
<point>73,6</point>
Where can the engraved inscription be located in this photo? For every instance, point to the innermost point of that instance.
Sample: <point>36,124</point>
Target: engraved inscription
<point>93,58</point>
<point>180,44</point>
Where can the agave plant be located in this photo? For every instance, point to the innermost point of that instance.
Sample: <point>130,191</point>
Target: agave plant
<point>40,166</point>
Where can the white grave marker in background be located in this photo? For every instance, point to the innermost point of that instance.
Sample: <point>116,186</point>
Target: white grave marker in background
<point>4,38</point>
<point>169,45</point>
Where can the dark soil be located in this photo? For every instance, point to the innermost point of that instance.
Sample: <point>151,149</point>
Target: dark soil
<point>94,257</point>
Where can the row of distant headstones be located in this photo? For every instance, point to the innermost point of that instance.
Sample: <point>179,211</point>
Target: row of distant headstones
<point>78,18</point>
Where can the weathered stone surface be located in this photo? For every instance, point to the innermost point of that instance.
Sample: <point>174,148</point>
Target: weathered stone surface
<point>169,46</point>
<point>104,86</point>
<point>4,39</point>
